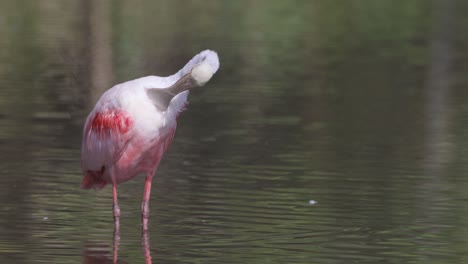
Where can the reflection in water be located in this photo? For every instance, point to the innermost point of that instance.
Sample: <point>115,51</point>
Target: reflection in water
<point>439,83</point>
<point>99,35</point>
<point>100,253</point>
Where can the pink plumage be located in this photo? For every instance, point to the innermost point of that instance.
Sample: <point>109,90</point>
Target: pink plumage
<point>133,124</point>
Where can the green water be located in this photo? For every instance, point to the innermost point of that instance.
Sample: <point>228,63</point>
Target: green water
<point>334,132</point>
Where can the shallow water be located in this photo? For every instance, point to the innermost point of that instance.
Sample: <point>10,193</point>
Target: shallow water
<point>333,133</point>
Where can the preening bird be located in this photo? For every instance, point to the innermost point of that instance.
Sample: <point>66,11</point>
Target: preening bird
<point>133,124</point>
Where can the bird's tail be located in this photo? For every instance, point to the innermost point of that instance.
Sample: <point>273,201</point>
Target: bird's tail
<point>93,180</point>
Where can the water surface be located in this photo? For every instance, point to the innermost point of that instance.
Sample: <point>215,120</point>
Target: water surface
<point>360,107</point>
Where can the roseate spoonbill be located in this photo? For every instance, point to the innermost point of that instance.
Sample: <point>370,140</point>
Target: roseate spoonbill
<point>133,124</point>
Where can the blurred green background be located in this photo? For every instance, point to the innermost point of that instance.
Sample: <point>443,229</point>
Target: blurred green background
<point>359,105</point>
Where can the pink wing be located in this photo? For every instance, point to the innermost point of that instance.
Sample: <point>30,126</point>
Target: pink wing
<point>105,137</point>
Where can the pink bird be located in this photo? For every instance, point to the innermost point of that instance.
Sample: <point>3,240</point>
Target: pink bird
<point>133,124</point>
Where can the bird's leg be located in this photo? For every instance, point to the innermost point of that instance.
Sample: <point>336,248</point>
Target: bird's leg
<point>145,202</point>
<point>116,209</point>
<point>116,245</point>
<point>146,246</point>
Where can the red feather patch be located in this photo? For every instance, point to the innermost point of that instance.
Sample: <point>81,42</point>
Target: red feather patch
<point>111,121</point>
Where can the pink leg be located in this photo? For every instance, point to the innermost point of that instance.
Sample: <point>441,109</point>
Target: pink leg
<point>146,246</point>
<point>116,245</point>
<point>145,202</point>
<point>115,207</point>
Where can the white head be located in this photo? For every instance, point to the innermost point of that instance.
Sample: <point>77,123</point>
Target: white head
<point>197,72</point>
<point>202,73</point>
<point>203,66</point>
